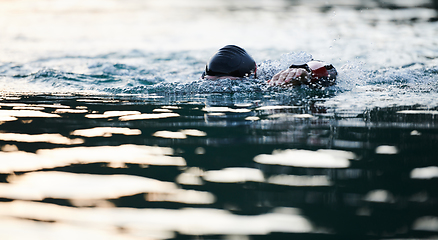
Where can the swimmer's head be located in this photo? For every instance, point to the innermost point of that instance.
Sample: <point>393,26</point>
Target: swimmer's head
<point>231,61</point>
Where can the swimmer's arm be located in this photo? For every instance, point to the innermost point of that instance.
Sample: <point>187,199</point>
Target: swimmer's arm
<point>314,74</point>
<point>290,77</point>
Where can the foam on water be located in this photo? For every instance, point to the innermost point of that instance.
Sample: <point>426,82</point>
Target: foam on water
<point>115,54</point>
<point>357,87</point>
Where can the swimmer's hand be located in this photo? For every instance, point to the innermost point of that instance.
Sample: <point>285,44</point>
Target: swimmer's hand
<point>290,77</point>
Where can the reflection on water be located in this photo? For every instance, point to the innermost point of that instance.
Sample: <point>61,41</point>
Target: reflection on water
<point>50,138</point>
<point>116,156</point>
<point>425,173</point>
<point>154,223</point>
<point>168,156</point>
<point>63,185</point>
<point>305,158</point>
<point>288,172</point>
<point>105,132</point>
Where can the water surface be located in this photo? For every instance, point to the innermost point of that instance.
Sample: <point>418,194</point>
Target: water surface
<point>107,132</point>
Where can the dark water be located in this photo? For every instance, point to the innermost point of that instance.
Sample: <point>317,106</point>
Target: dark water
<point>107,132</point>
<point>329,177</point>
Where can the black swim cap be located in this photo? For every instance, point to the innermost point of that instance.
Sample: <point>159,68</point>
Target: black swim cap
<point>232,61</point>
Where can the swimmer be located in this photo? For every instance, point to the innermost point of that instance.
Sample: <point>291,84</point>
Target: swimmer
<point>233,62</point>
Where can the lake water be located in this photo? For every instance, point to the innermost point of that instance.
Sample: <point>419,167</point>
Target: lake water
<point>107,131</point>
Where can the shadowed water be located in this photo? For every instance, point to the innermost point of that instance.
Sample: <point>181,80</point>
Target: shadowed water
<point>240,166</point>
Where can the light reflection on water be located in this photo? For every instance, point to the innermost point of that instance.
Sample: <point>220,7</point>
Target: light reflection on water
<point>115,156</point>
<point>320,174</point>
<point>159,223</point>
<point>106,131</point>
